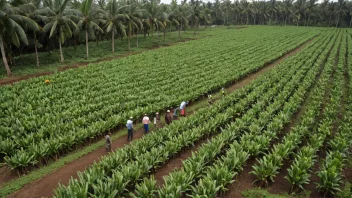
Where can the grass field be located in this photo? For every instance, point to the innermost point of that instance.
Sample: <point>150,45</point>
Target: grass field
<point>284,125</point>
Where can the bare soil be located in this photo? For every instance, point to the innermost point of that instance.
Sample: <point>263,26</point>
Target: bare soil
<point>174,163</point>
<point>45,186</point>
<point>244,181</point>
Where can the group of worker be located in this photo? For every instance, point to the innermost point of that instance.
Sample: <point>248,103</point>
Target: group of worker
<point>157,122</point>
<point>146,121</point>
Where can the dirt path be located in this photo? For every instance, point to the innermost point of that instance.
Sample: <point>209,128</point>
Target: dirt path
<point>45,186</point>
<point>13,79</point>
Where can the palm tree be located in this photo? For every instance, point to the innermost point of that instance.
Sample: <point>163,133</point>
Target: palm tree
<point>60,26</point>
<point>227,7</point>
<point>340,10</point>
<point>86,21</point>
<point>133,15</point>
<point>153,10</point>
<point>246,9</point>
<point>12,25</point>
<point>113,22</point>
<point>181,14</point>
<point>198,14</point>
<point>310,8</point>
<point>287,9</point>
<point>40,16</point>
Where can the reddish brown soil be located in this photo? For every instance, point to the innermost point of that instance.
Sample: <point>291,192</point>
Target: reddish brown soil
<point>174,163</point>
<point>45,186</point>
<point>244,181</point>
<point>13,79</point>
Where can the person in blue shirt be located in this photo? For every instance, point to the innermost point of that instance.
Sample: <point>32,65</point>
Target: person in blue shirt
<point>129,126</point>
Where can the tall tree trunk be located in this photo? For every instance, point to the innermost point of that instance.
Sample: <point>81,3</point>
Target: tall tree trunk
<point>247,19</point>
<point>179,30</point>
<point>113,41</point>
<point>308,19</point>
<point>137,36</point>
<point>8,71</point>
<point>61,55</point>
<point>351,21</point>
<point>157,30</point>
<point>194,26</point>
<point>129,36</point>
<point>338,20</point>
<point>35,48</point>
<point>170,31</point>
<point>164,33</point>
<point>87,47</point>
<point>285,19</point>
<point>329,21</point>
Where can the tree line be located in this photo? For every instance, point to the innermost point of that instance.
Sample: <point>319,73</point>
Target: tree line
<point>46,24</point>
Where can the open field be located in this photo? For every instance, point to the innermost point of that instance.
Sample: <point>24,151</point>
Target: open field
<point>284,125</point>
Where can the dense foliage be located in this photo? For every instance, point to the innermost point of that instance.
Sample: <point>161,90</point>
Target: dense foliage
<point>243,124</point>
<point>28,26</point>
<point>81,104</point>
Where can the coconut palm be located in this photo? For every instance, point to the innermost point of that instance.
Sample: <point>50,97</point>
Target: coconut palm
<point>287,9</point>
<point>227,8</point>
<point>12,26</point>
<point>311,4</point>
<point>40,16</point>
<point>153,9</point>
<point>246,9</point>
<point>198,14</point>
<point>86,21</point>
<point>133,15</point>
<point>340,10</point>
<point>113,22</point>
<point>60,27</point>
<point>181,14</point>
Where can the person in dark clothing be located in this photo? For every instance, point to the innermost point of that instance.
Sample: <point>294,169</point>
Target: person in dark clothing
<point>168,117</point>
<point>108,142</point>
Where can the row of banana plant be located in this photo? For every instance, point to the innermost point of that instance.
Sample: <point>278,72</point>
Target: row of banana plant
<point>210,184</point>
<point>179,181</point>
<point>114,161</point>
<point>269,165</point>
<point>300,171</point>
<point>52,134</point>
<point>330,173</point>
<point>158,157</point>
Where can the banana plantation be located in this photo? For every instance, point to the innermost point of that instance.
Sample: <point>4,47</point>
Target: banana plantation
<point>268,89</point>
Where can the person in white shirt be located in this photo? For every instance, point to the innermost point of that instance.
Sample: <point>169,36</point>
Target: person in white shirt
<point>146,122</point>
<point>183,108</point>
<point>129,126</point>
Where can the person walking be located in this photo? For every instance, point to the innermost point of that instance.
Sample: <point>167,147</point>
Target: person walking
<point>157,120</point>
<point>210,99</point>
<point>129,126</point>
<point>146,122</point>
<point>175,112</point>
<point>168,118</point>
<point>223,92</point>
<point>183,108</point>
<point>108,142</point>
